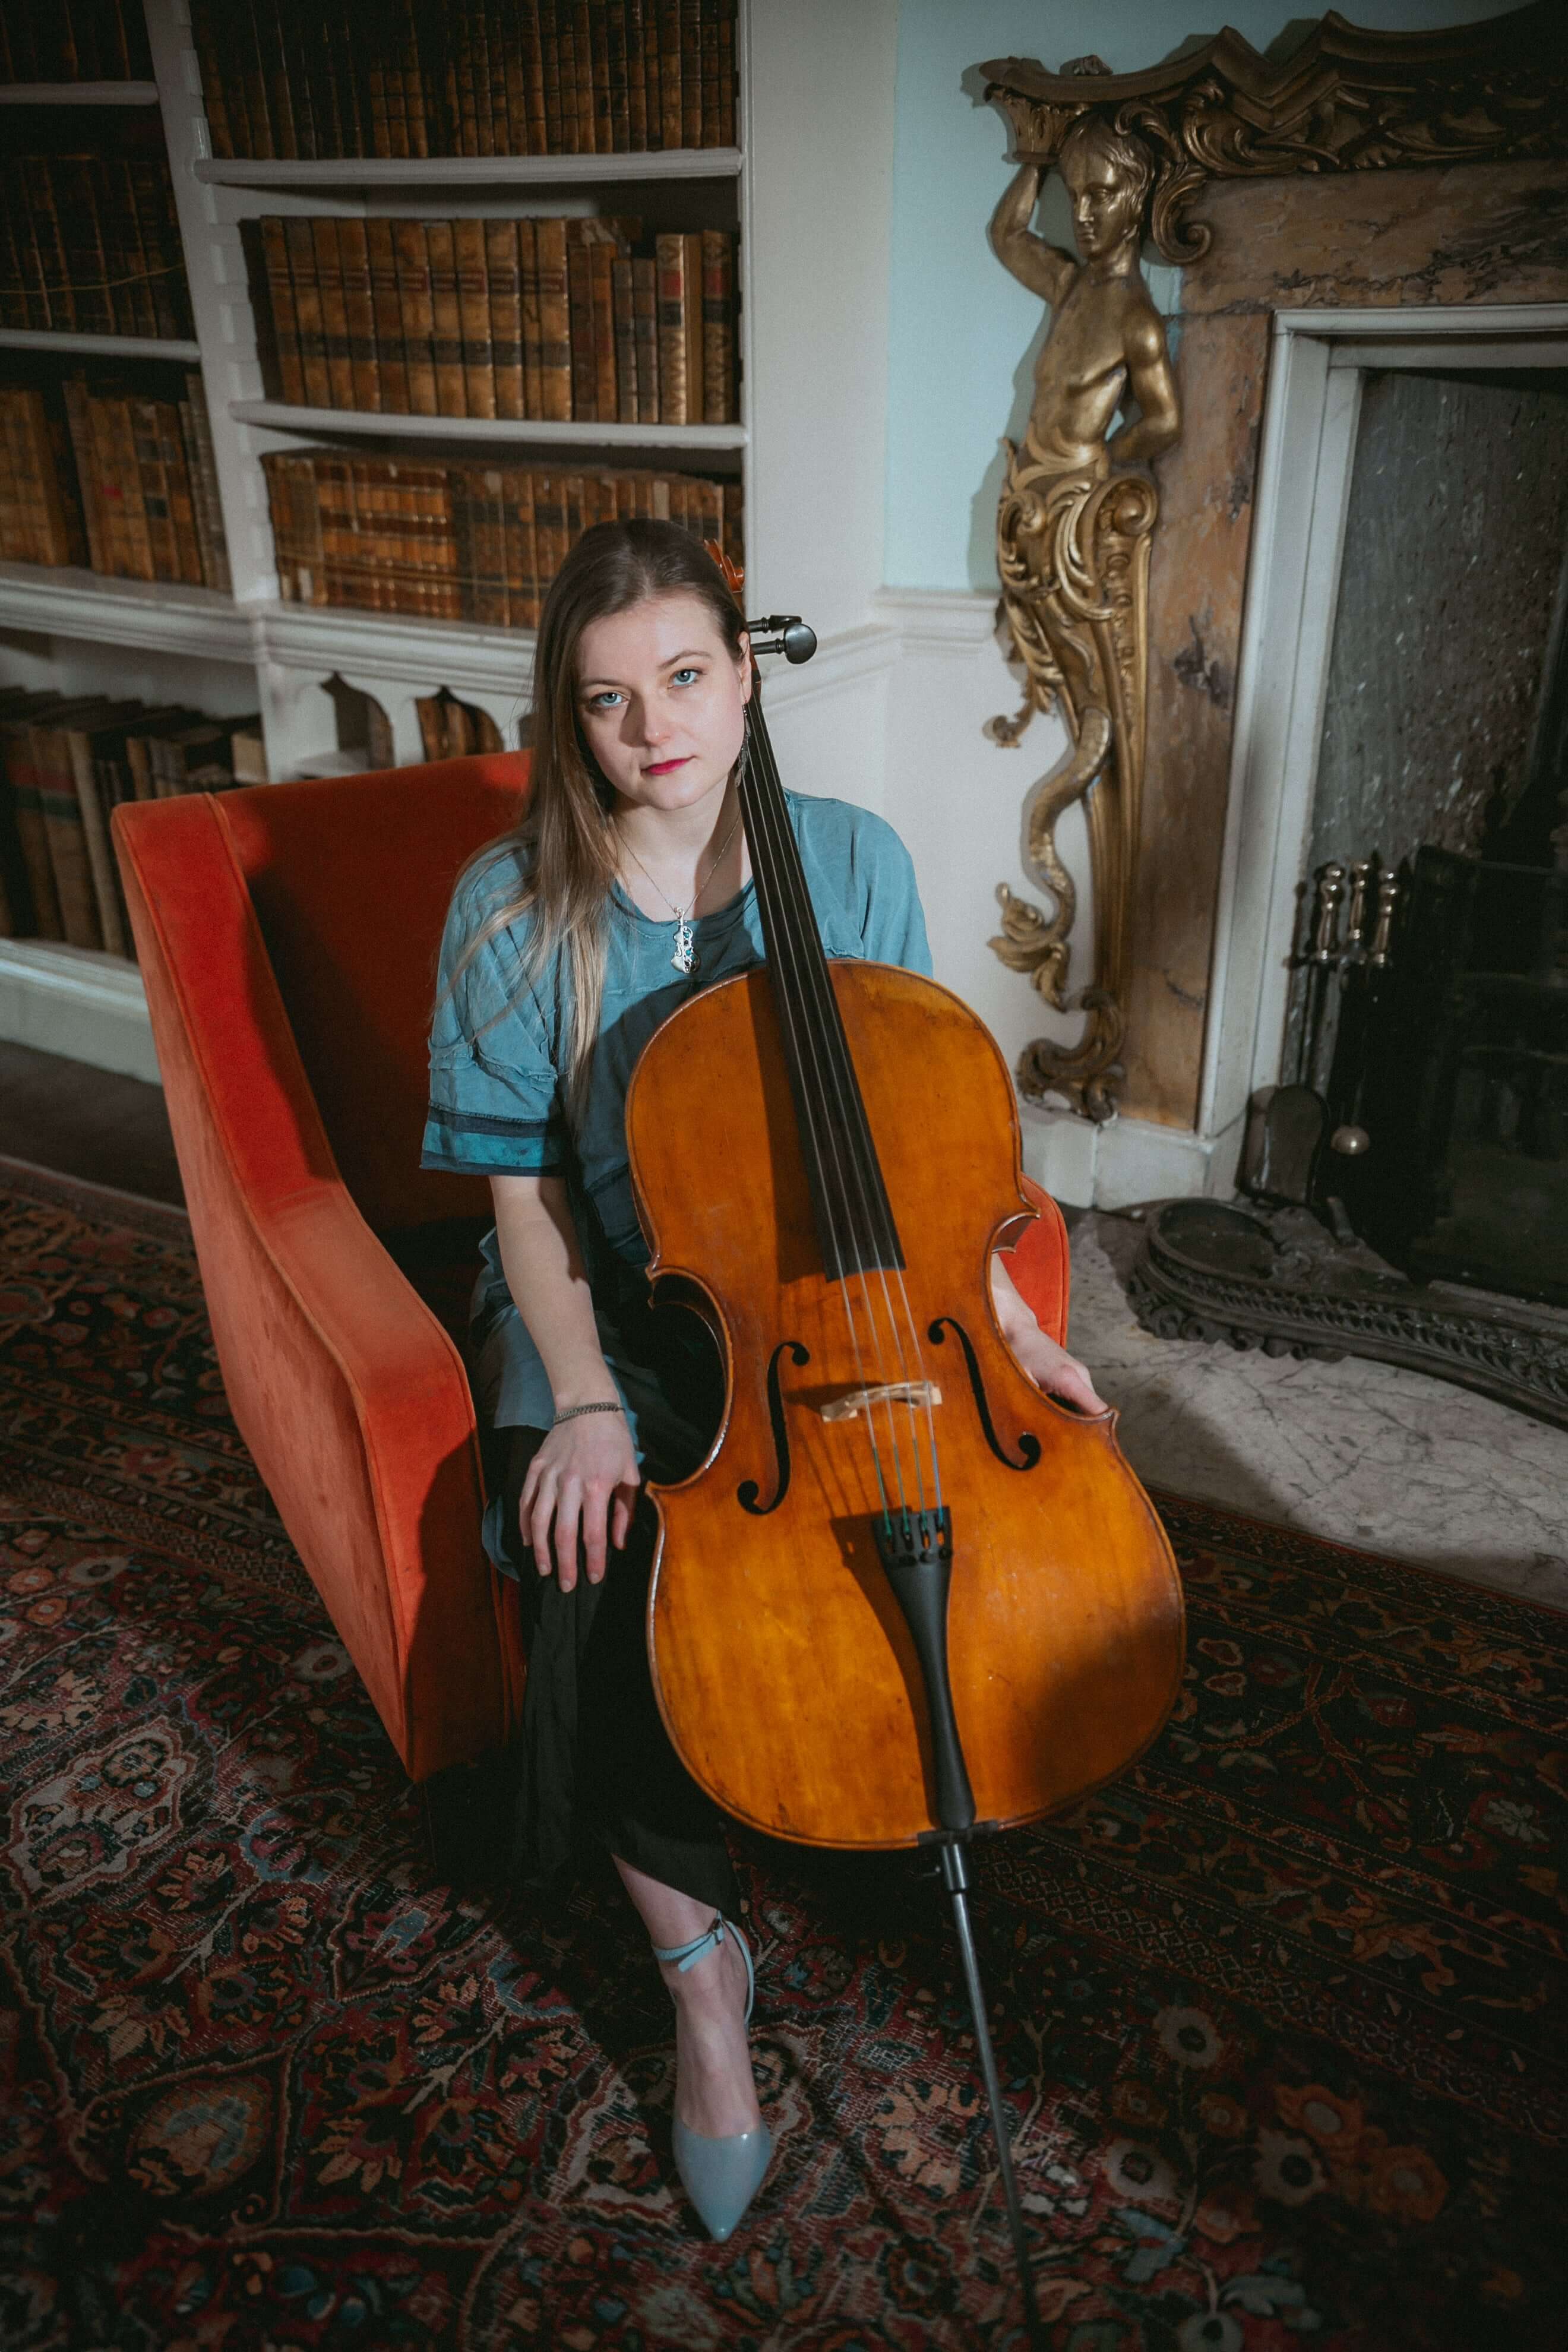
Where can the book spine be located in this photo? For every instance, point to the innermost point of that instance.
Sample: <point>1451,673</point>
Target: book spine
<point>374,71</point>
<point>61,313</point>
<point>310,320</point>
<point>484,75</point>
<point>645,329</point>
<point>162,265</point>
<point>624,304</point>
<point>203,460</point>
<point>273,42</point>
<point>503,267</point>
<point>134,266</point>
<point>584,375</point>
<point>619,91</point>
<point>179,481</point>
<point>253,69</point>
<point>85,268</point>
<point>533,54</point>
<point>416,104</point>
<point>446,330</point>
<point>285,318</point>
<point>568,67</point>
<point>554,320</point>
<point>359,312</point>
<point>80,425</point>
<point>603,130</point>
<point>335,310</point>
<point>517,535</point>
<point>26,808</point>
<point>552,69</point>
<point>729,108</point>
<point>712,132</point>
<point>511,118</point>
<point>549,530</point>
<point>669,251</point>
<point>692,313</point>
<point>718,327</point>
<point>653,61</point>
<point>474,314</point>
<point>93,819</point>
<point>636,76</point>
<point>387,317</point>
<point>691,73</point>
<point>155,492</point>
<point>671,69</point>
<point>141,556</point>
<point>602,280</point>
<point>419,315</point>
<point>388,35</point>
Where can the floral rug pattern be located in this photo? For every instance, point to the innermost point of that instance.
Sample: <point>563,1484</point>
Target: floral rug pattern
<point>1279,2013</point>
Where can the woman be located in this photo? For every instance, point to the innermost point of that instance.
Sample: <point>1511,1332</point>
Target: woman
<point>568,943</point>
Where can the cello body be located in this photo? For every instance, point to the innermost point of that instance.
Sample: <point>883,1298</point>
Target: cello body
<point>785,1669</point>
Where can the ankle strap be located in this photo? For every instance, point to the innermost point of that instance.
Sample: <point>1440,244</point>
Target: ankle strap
<point>687,1955</point>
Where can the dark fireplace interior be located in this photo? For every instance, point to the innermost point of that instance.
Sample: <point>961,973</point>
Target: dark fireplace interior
<point>1443,1060</point>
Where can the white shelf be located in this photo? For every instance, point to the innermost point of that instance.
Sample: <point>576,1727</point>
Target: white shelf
<point>403,172</point>
<point>78,93</point>
<point>118,347</point>
<point>289,417</point>
<point>395,649</point>
<point>154,615</point>
<point>77,1001</point>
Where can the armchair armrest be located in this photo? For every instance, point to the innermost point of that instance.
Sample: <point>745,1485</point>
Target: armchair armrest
<point>351,1398</point>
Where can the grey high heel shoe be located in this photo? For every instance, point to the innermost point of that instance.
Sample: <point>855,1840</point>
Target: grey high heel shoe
<point>720,2176</point>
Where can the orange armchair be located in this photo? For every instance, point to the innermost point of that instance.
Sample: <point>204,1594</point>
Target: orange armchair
<point>287,937</point>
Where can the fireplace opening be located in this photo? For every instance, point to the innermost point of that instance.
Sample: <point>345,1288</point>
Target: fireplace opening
<point>1404,1178</point>
<point>1444,763</point>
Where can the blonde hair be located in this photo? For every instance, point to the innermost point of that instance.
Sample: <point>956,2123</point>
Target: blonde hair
<point>566,840</point>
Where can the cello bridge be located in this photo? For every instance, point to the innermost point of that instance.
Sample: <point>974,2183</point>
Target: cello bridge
<point>919,1395</point>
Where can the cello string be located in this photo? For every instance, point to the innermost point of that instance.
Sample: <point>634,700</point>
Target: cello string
<point>829,1054</point>
<point>860,1147</point>
<point>853,1116</point>
<point>812,1140</point>
<point>773,869</point>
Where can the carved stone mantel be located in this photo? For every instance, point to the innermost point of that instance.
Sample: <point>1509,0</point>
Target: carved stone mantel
<point>1368,169</point>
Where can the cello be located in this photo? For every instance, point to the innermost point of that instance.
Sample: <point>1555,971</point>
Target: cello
<point>908,1599</point>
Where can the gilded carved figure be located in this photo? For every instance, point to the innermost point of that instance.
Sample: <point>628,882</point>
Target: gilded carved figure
<point>1073,537</point>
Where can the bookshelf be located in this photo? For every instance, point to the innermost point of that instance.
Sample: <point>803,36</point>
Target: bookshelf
<point>812,155</point>
<point>519,432</point>
<point>381,171</point>
<point>78,93</point>
<point>109,347</point>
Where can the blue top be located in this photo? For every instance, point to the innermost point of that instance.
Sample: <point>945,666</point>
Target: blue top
<point>497,1052</point>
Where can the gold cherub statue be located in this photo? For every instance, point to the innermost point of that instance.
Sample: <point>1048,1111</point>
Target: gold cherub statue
<point>1072,541</point>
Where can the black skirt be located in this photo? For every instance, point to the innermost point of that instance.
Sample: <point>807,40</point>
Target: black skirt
<point>594,1765</point>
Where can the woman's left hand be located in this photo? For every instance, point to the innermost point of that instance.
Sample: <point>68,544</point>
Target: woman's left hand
<point>1048,1366</point>
<point>1053,1370</point>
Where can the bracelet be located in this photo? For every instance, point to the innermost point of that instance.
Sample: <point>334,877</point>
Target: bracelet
<point>572,1411</point>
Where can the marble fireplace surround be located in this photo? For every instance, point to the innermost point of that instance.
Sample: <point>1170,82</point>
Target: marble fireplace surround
<point>1308,279</point>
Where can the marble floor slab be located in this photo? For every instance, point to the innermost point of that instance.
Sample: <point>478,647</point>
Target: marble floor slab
<point>1361,1452</point>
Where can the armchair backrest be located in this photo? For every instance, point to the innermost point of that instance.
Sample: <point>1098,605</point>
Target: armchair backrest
<point>349,878</point>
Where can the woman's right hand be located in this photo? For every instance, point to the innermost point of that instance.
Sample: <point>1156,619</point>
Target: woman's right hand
<point>581,1485</point>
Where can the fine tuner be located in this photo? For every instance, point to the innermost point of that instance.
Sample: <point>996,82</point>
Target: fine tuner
<point>783,632</point>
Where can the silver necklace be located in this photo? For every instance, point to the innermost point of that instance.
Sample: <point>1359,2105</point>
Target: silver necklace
<point>686,958</point>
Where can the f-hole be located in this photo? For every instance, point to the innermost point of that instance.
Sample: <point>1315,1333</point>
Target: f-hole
<point>747,1494</point>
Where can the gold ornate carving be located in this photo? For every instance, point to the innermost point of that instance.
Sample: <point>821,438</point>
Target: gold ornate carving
<point>1073,531</point>
<point>1347,101</point>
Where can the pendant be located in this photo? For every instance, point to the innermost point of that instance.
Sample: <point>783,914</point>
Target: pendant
<point>685,957</point>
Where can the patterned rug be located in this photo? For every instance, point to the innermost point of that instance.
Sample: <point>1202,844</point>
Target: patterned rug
<point>1278,2015</point>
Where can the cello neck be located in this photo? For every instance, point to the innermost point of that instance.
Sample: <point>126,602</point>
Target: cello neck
<point>849,1200</point>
